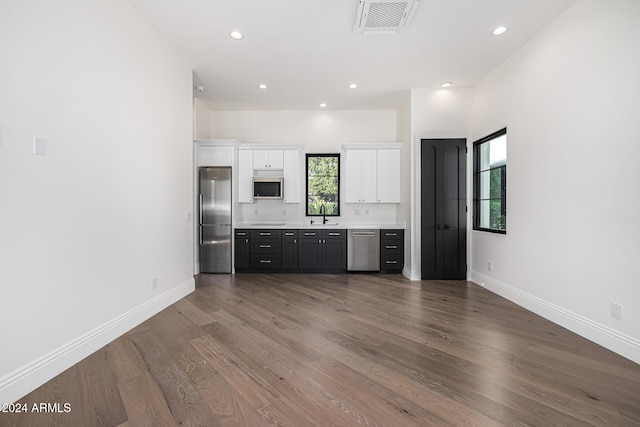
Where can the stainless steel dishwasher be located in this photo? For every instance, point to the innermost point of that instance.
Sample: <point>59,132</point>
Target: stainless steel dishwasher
<point>363,250</point>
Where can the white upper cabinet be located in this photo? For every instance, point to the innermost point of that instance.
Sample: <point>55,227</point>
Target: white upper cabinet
<point>274,160</point>
<point>388,176</point>
<point>372,174</point>
<point>291,174</point>
<point>268,159</point>
<point>215,152</point>
<point>245,176</point>
<point>361,176</point>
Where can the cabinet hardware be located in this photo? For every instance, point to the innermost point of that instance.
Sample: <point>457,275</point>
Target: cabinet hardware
<point>334,234</point>
<point>241,234</point>
<point>265,261</point>
<point>391,262</point>
<point>265,234</point>
<point>391,246</point>
<point>390,234</point>
<point>310,234</point>
<point>265,246</point>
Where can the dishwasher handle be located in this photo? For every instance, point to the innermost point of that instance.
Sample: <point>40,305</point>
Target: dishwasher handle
<point>364,233</point>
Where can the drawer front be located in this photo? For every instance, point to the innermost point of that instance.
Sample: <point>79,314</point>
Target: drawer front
<point>310,234</point>
<point>391,247</point>
<point>391,263</point>
<point>290,234</point>
<point>242,233</point>
<point>334,234</point>
<point>266,261</point>
<point>391,234</point>
<point>257,234</point>
<point>266,246</point>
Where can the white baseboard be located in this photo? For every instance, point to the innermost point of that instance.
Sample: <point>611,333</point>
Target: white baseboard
<point>607,337</point>
<point>24,380</point>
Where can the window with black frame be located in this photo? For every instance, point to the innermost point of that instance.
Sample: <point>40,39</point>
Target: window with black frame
<point>323,184</point>
<point>490,183</point>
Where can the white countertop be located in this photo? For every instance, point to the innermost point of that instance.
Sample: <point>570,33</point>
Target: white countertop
<point>319,225</point>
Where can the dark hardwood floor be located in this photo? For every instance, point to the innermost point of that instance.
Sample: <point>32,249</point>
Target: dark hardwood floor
<point>343,350</point>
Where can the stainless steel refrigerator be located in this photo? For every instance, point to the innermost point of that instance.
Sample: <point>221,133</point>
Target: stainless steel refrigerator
<point>215,219</point>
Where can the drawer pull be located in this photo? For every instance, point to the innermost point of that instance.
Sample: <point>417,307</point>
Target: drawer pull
<point>265,261</point>
<point>288,234</point>
<point>391,262</point>
<point>334,234</point>
<point>391,246</point>
<point>241,234</point>
<point>390,234</point>
<point>265,246</point>
<point>310,233</point>
<point>265,234</point>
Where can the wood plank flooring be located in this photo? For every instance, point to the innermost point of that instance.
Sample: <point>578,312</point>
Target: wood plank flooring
<point>343,350</point>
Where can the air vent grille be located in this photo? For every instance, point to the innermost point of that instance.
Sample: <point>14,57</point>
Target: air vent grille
<point>384,16</point>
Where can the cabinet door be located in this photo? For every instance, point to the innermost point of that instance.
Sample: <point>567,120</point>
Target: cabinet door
<point>388,166</point>
<point>309,254</point>
<point>215,156</point>
<point>242,254</point>
<point>291,173</point>
<point>268,159</point>
<point>369,176</point>
<point>245,176</point>
<point>353,176</point>
<point>260,159</point>
<point>334,250</point>
<point>289,253</point>
<point>276,159</point>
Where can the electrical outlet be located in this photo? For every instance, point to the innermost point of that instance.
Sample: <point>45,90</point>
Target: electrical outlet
<point>616,310</point>
<point>154,283</point>
<point>490,266</point>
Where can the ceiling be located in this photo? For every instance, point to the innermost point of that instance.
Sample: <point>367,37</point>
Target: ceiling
<point>306,52</point>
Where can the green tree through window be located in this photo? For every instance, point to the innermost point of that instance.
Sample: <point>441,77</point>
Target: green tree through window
<point>490,183</point>
<point>323,184</point>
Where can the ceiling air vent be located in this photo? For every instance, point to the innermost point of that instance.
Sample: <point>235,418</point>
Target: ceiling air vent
<point>384,16</point>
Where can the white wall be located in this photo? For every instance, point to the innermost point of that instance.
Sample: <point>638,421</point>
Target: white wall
<point>201,120</point>
<point>86,227</point>
<point>317,132</point>
<point>570,99</point>
<point>435,113</point>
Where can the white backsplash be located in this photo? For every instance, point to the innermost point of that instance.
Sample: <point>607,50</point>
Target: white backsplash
<point>278,211</point>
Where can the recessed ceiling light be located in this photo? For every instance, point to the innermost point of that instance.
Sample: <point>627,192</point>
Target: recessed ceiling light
<point>236,35</point>
<point>323,105</point>
<point>446,84</point>
<point>262,86</point>
<point>499,30</point>
<point>353,86</point>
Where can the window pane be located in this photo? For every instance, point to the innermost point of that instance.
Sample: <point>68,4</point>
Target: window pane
<point>496,184</point>
<point>323,184</point>
<point>490,172</point>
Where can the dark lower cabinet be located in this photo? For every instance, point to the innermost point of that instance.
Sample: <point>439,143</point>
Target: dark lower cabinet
<point>290,249</point>
<point>322,250</point>
<point>242,250</point>
<point>308,250</point>
<point>391,251</point>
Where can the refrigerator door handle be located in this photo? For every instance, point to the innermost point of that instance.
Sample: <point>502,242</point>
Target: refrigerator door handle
<point>200,210</point>
<point>200,228</point>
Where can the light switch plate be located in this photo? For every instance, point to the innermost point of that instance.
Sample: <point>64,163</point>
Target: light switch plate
<point>39,146</point>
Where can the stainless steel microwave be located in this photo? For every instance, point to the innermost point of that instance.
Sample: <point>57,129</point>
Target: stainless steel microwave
<point>267,187</point>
